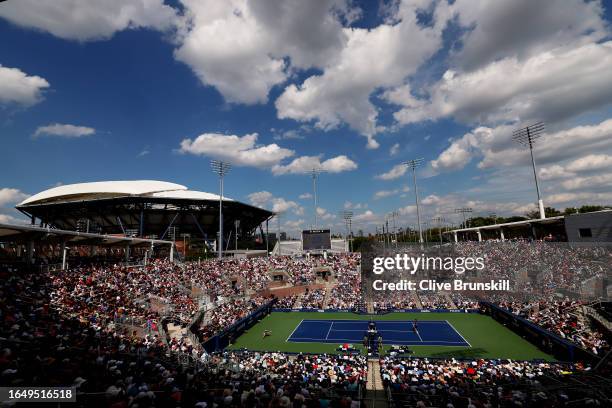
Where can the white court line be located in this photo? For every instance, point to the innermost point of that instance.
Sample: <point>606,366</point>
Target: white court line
<point>418,334</point>
<point>401,342</point>
<point>330,327</point>
<point>375,321</point>
<point>385,330</point>
<point>456,331</point>
<point>406,342</point>
<point>296,327</point>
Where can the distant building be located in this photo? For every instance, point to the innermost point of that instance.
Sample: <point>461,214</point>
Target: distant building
<point>593,227</point>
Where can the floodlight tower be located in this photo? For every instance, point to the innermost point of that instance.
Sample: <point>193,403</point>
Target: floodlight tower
<point>527,136</point>
<point>413,164</point>
<point>463,211</point>
<point>221,169</point>
<point>278,240</point>
<point>394,215</point>
<point>494,216</point>
<point>347,215</point>
<point>439,221</point>
<point>315,174</point>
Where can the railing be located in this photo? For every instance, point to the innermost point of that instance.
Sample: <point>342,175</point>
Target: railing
<point>590,311</point>
<point>223,338</point>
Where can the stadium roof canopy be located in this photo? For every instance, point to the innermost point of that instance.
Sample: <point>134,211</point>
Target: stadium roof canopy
<point>139,208</point>
<point>26,233</point>
<point>523,223</point>
<point>509,226</point>
<point>109,189</point>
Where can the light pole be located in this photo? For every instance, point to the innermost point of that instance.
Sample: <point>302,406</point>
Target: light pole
<point>527,137</point>
<point>494,216</point>
<point>463,211</point>
<point>236,225</point>
<point>394,214</point>
<point>221,169</point>
<point>185,236</point>
<point>439,221</point>
<point>278,238</point>
<point>413,164</point>
<point>347,215</point>
<point>315,174</point>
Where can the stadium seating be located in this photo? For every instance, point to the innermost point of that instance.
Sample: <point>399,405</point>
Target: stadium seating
<point>104,328</point>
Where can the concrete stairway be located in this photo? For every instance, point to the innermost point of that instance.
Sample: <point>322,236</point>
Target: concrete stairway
<point>416,300</point>
<point>328,288</point>
<point>177,332</point>
<point>375,391</point>
<point>298,302</point>
<point>449,300</point>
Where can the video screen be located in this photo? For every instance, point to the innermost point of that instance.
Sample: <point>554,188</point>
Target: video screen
<point>316,240</point>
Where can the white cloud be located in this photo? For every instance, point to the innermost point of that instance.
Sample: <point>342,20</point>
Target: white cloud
<point>589,163</point>
<point>9,219</point>
<point>64,130</point>
<point>407,210</point>
<point>305,196</point>
<point>265,199</point>
<point>85,20</point>
<point>18,87</point>
<point>589,182</point>
<point>494,33</point>
<point>240,46</point>
<point>431,200</point>
<point>551,86</point>
<point>461,151</point>
<point>293,225</point>
<point>280,205</point>
<point>495,147</point>
<point>144,152</point>
<point>324,215</point>
<point>553,172</point>
<point>354,206</point>
<point>394,149</point>
<point>366,217</point>
<point>576,199</point>
<point>304,164</point>
<point>388,193</point>
<point>396,172</point>
<point>377,58</point>
<point>260,198</point>
<point>11,196</point>
<point>238,150</point>
<point>292,134</point>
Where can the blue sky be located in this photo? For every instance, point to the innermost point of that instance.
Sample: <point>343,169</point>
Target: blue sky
<point>142,89</point>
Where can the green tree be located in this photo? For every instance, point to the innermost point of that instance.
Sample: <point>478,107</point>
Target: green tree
<point>548,211</point>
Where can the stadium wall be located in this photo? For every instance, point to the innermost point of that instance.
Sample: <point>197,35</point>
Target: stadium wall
<point>591,227</point>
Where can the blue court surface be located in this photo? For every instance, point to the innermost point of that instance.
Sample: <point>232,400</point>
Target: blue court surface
<point>399,332</point>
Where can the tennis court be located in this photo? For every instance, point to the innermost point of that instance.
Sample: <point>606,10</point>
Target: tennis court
<point>400,332</point>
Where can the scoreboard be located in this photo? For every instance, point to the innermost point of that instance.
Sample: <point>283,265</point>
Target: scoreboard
<point>316,239</point>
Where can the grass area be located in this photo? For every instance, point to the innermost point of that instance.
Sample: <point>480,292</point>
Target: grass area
<point>488,338</point>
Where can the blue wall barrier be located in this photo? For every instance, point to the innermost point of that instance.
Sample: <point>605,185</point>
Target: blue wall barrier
<point>223,339</point>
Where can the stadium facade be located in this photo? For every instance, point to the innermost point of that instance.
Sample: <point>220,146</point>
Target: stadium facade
<point>143,208</point>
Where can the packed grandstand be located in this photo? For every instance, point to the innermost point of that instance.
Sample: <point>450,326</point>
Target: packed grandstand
<point>148,335</point>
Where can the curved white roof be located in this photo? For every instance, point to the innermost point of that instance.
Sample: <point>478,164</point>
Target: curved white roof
<point>109,189</point>
<point>189,194</point>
